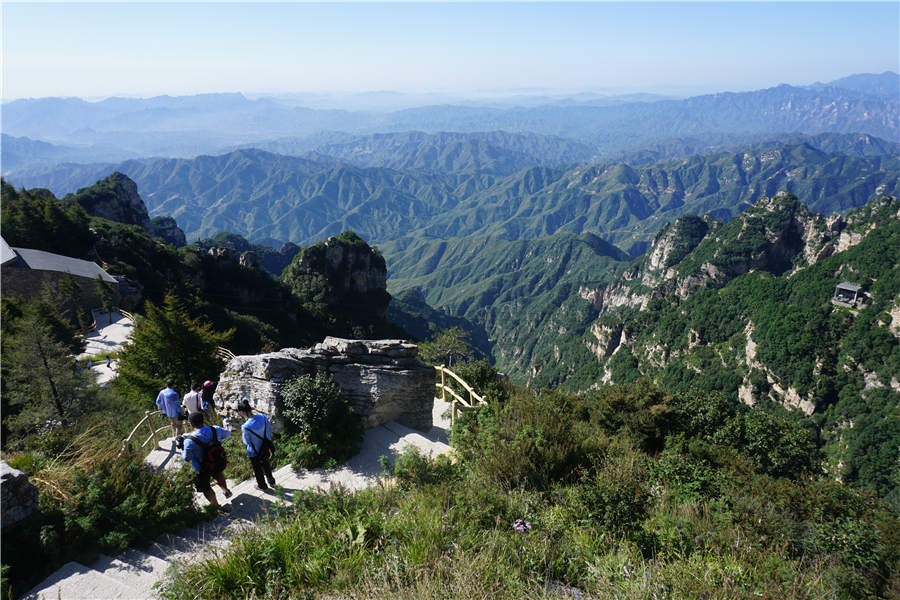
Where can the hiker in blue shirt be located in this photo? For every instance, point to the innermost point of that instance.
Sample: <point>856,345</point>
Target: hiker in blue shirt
<point>257,435</point>
<point>196,451</point>
<point>168,402</point>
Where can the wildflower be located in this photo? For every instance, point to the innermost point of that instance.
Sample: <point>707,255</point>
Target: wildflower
<point>521,525</point>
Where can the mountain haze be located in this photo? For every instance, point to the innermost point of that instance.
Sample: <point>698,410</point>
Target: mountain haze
<point>209,123</point>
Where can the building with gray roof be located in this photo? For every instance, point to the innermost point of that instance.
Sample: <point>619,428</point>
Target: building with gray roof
<point>27,273</point>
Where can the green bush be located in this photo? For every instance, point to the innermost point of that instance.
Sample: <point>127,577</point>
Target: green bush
<point>413,469</point>
<point>483,378</point>
<point>528,441</point>
<point>682,468</point>
<point>616,496</point>
<point>314,410</point>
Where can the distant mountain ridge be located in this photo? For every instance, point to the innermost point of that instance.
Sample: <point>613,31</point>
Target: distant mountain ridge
<point>191,125</point>
<point>883,85</point>
<point>262,195</point>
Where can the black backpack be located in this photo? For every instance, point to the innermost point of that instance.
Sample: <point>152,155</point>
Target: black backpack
<point>267,450</point>
<point>214,458</point>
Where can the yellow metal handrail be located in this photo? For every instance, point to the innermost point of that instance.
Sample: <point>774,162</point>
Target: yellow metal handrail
<point>224,353</point>
<point>153,432</point>
<point>459,403</point>
<point>127,315</point>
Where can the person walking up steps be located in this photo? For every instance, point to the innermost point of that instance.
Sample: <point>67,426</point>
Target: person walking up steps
<point>193,402</point>
<point>167,401</point>
<point>257,435</point>
<point>203,449</point>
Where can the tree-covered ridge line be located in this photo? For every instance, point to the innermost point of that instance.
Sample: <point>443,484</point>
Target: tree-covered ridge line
<point>263,196</point>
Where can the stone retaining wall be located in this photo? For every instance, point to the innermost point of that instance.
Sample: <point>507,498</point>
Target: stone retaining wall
<point>383,380</point>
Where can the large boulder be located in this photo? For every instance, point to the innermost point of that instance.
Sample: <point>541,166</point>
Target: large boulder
<point>383,380</point>
<point>18,496</point>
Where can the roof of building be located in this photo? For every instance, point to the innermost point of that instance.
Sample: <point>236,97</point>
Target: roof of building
<point>6,253</point>
<point>844,285</point>
<point>39,260</point>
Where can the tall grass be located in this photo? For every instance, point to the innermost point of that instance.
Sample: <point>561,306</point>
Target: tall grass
<point>555,502</point>
<point>91,500</point>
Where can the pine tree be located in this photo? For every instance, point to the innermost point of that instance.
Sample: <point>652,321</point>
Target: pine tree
<point>42,384</point>
<point>169,343</point>
<point>447,345</point>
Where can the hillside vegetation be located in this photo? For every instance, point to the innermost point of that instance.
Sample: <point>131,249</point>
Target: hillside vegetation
<point>624,492</point>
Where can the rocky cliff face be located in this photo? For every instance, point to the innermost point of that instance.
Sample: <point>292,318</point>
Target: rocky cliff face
<point>349,275</point>
<point>655,321</point>
<point>382,380</point>
<point>776,235</point>
<point>166,229</point>
<point>115,198</point>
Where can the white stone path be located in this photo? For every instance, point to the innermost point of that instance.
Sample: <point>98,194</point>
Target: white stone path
<point>132,574</point>
<point>111,333</point>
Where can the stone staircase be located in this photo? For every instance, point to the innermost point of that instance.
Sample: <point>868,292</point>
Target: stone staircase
<point>133,573</point>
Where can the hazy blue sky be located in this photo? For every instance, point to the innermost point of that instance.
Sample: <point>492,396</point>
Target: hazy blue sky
<point>93,50</point>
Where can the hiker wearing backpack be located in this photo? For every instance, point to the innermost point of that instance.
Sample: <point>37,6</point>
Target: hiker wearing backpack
<point>203,449</point>
<point>257,435</point>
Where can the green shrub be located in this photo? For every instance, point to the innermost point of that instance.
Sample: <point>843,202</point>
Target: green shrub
<point>683,468</point>
<point>413,469</point>
<point>483,378</point>
<point>615,496</point>
<point>314,410</point>
<point>526,441</point>
<point>775,445</point>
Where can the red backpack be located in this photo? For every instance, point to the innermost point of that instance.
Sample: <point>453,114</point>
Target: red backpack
<point>214,457</point>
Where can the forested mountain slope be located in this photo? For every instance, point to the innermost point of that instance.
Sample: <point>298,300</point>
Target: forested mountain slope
<point>748,311</point>
<point>260,195</point>
<point>742,308</point>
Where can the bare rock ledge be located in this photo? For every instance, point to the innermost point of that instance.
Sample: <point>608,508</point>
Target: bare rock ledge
<point>383,380</point>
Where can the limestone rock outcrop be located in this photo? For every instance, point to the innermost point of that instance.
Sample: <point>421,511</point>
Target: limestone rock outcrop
<point>383,380</point>
<point>351,274</point>
<point>115,198</point>
<point>18,496</point>
<point>167,229</point>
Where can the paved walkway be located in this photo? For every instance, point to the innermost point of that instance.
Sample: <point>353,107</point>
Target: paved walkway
<point>112,331</point>
<point>133,573</point>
